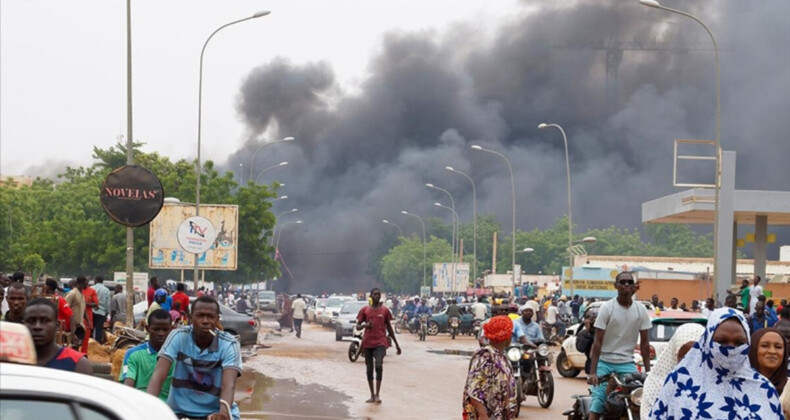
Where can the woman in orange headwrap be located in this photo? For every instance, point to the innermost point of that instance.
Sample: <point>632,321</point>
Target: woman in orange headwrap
<point>490,385</point>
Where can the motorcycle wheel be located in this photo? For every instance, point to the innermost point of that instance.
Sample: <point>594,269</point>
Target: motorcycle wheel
<point>519,397</point>
<point>353,352</point>
<point>452,333</point>
<point>546,394</point>
<point>564,366</point>
<point>397,328</point>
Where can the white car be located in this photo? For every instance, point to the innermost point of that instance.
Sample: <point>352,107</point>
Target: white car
<point>35,393</point>
<point>347,320</point>
<point>315,309</point>
<point>332,310</point>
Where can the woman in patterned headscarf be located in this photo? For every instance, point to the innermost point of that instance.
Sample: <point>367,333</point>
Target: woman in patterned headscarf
<point>490,385</point>
<point>715,379</point>
<point>685,336</point>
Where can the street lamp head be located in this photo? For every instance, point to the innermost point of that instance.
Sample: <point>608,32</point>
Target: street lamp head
<point>262,13</point>
<point>298,222</point>
<point>589,239</point>
<point>429,185</point>
<point>404,212</point>
<point>476,147</point>
<point>294,210</point>
<point>385,220</point>
<point>438,204</point>
<point>541,126</point>
<point>449,168</point>
<point>650,3</point>
<point>288,139</point>
<point>283,197</point>
<point>528,250</point>
<point>282,163</point>
<point>171,200</point>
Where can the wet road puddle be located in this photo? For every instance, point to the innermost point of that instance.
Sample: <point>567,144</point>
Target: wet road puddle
<point>262,397</point>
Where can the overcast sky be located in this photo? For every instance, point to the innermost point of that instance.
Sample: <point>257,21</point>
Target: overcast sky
<point>63,73</point>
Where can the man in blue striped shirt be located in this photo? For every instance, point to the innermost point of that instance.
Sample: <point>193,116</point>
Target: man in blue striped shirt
<point>207,364</point>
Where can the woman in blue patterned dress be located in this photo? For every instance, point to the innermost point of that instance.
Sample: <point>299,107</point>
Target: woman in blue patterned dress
<point>715,379</point>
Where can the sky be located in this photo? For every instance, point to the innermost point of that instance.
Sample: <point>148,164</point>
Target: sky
<point>382,95</point>
<point>63,72</point>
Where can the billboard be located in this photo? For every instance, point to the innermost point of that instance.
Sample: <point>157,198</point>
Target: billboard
<point>443,278</point>
<point>591,281</point>
<point>165,251</point>
<point>140,280</point>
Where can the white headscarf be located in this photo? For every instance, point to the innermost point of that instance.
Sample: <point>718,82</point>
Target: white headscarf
<point>715,381</point>
<point>666,363</point>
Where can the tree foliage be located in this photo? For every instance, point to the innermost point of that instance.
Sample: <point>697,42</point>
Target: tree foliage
<point>62,226</point>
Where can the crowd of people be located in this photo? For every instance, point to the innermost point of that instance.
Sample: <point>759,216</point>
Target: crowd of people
<point>734,367</point>
<point>186,360</point>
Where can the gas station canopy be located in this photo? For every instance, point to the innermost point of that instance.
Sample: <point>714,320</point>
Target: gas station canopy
<point>696,206</point>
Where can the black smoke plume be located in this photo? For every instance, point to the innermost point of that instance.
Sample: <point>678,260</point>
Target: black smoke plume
<point>364,156</point>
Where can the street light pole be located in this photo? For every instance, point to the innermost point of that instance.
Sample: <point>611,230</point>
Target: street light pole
<point>570,214</point>
<point>455,222</point>
<point>717,140</point>
<point>393,224</point>
<point>280,232</point>
<point>455,268</point>
<point>513,198</point>
<point>270,167</point>
<point>252,161</point>
<point>198,169</point>
<point>129,161</point>
<point>422,222</point>
<point>474,221</point>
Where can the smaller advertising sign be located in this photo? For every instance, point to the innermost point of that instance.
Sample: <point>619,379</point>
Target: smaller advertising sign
<point>196,234</point>
<point>591,281</point>
<point>140,280</point>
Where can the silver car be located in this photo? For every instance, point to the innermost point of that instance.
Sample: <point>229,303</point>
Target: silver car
<point>333,305</point>
<point>315,309</point>
<point>347,319</point>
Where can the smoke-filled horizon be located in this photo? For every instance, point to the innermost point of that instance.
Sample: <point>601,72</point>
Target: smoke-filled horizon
<point>364,156</point>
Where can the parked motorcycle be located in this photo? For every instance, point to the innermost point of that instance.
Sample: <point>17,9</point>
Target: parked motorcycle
<point>623,398</point>
<point>532,370</point>
<point>454,323</point>
<point>355,348</point>
<point>551,332</point>
<point>423,329</point>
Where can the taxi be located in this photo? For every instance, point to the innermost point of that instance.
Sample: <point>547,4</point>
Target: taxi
<point>30,392</point>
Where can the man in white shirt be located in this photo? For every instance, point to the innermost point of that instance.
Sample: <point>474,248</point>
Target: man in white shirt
<point>755,292</point>
<point>709,307</point>
<point>297,308</point>
<point>479,310</point>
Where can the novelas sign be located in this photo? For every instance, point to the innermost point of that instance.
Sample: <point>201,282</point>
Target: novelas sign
<point>132,195</point>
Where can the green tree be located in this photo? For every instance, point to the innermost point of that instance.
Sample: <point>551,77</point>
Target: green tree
<point>401,268</point>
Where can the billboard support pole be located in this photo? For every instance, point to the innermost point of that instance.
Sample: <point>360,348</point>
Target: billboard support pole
<point>129,161</point>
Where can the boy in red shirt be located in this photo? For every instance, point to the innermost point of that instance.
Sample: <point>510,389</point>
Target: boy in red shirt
<point>376,319</point>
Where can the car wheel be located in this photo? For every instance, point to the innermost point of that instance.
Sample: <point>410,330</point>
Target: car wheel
<point>564,366</point>
<point>433,328</point>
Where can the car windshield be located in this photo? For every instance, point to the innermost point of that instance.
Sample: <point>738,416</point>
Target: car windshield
<point>352,307</point>
<point>335,302</point>
<point>267,295</point>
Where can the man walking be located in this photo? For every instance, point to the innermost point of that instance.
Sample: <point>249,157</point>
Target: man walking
<point>755,292</point>
<point>101,311</point>
<point>118,306</point>
<point>41,318</point>
<point>620,321</point>
<point>153,285</point>
<point>297,312</point>
<point>76,301</point>
<point>377,322</point>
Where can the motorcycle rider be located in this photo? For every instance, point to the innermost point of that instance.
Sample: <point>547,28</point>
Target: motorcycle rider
<point>620,322</point>
<point>453,310</point>
<point>479,310</point>
<point>423,308</point>
<point>532,332</point>
<point>585,337</point>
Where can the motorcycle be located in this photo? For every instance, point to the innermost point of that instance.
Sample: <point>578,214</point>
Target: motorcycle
<point>355,348</point>
<point>476,324</point>
<point>454,323</point>
<point>623,398</point>
<point>423,329</point>
<point>552,333</point>
<point>532,370</point>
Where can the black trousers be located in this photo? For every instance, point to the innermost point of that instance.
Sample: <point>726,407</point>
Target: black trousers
<point>298,326</point>
<point>98,327</point>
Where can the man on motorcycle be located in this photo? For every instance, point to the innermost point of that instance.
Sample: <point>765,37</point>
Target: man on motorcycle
<point>453,310</point>
<point>423,308</point>
<point>532,332</point>
<point>620,322</point>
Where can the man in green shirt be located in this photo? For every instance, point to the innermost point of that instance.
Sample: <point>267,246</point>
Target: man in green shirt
<point>140,361</point>
<point>745,296</point>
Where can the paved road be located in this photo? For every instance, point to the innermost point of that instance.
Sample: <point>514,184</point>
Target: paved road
<point>423,382</point>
